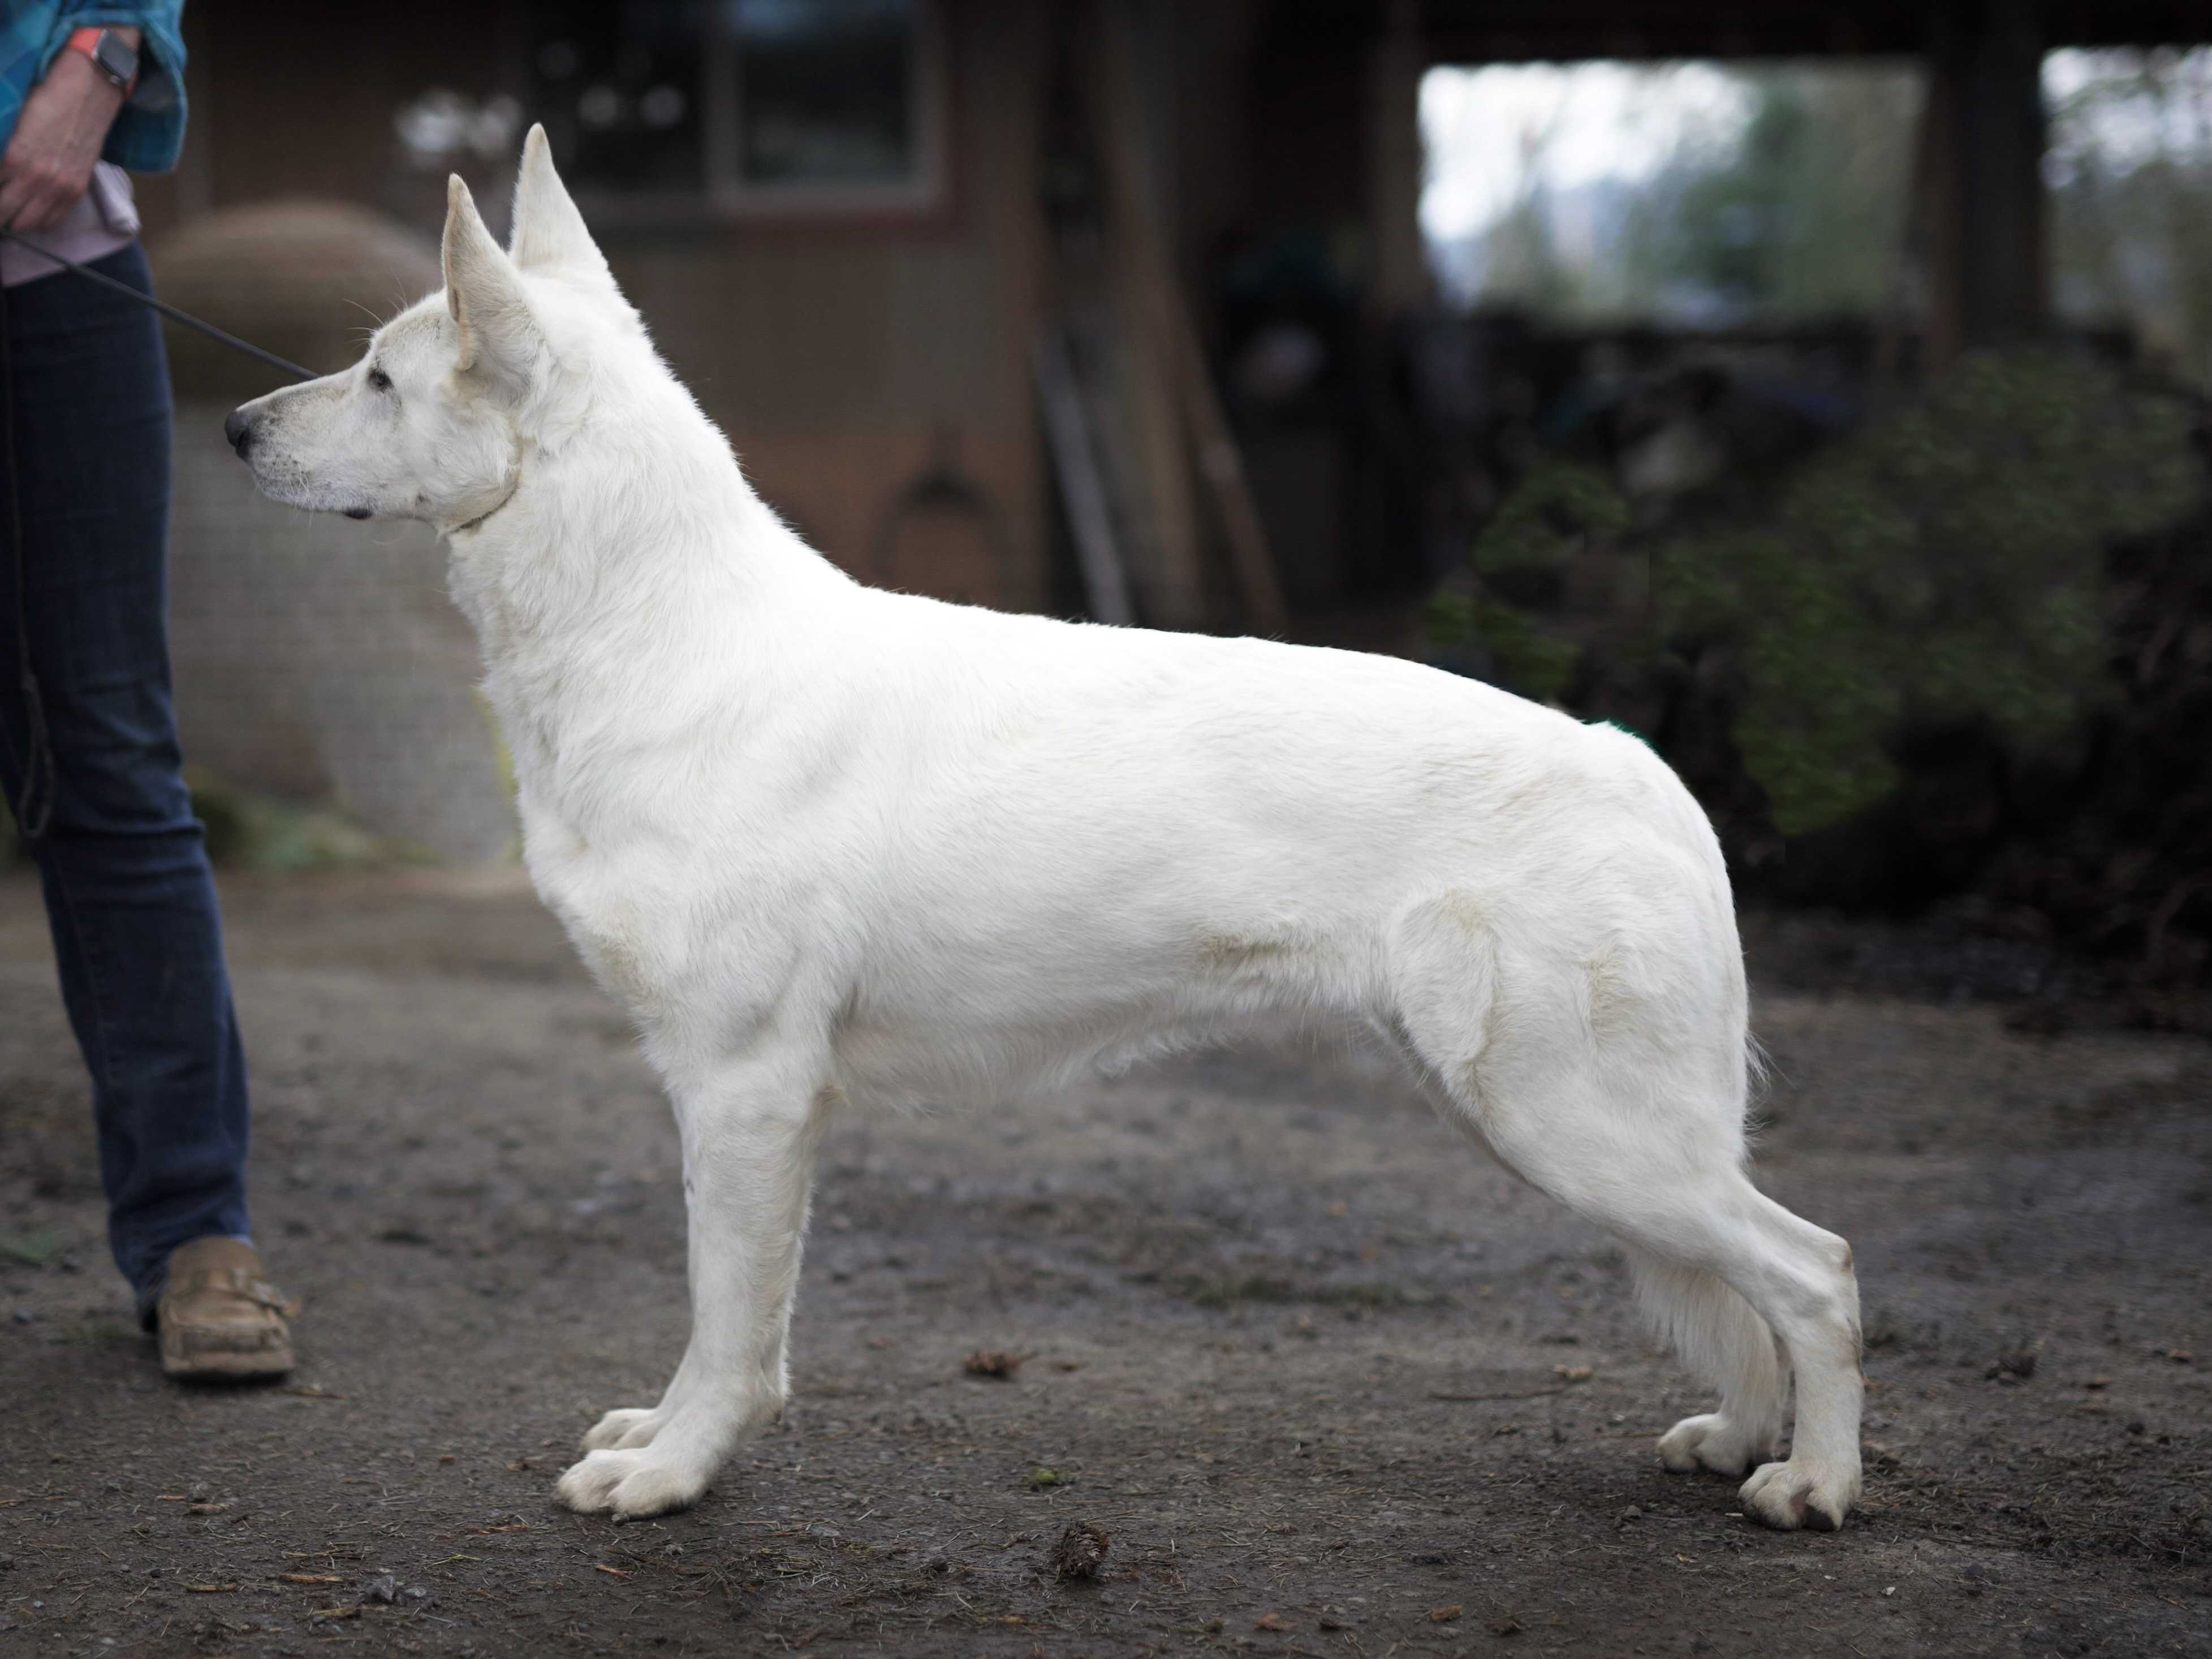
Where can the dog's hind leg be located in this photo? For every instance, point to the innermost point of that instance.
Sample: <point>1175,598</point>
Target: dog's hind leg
<point>1716,1235</point>
<point>749,1132</point>
<point>1721,1266</point>
<point>1715,1332</point>
<point>1722,1337</point>
<point>1626,1106</point>
<point>1718,1227</point>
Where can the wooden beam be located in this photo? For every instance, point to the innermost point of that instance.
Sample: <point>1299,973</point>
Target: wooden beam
<point>1082,483</point>
<point>1982,208</point>
<point>1178,417</point>
<point>1400,280</point>
<point>1174,591</point>
<point>1504,31</point>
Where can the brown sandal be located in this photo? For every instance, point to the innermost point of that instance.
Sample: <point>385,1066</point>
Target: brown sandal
<point>218,1317</point>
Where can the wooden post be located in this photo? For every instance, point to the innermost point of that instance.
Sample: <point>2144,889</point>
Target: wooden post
<point>1175,592</point>
<point>1984,251</point>
<point>1082,483</point>
<point>1222,467</point>
<point>1400,281</point>
<point>1178,418</point>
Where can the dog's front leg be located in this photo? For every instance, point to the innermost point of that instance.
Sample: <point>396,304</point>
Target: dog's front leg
<point>749,1138</point>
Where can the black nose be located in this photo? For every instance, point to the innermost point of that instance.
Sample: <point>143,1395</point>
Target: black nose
<point>238,427</point>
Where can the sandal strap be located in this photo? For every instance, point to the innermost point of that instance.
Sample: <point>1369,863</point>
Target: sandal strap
<point>234,1281</point>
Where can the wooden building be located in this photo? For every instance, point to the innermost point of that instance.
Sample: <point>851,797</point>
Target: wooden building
<point>874,235</point>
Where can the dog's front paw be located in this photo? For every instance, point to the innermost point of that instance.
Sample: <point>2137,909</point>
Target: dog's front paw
<point>633,1484</point>
<point>1801,1493</point>
<point>1713,1442</point>
<point>624,1427</point>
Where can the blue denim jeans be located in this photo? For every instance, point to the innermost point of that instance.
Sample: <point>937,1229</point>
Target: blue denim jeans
<point>129,898</point>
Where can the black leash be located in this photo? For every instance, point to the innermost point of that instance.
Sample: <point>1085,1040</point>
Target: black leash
<point>168,311</point>
<point>35,810</point>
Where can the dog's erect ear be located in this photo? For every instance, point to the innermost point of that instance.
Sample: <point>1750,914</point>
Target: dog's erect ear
<point>484,294</point>
<point>549,239</point>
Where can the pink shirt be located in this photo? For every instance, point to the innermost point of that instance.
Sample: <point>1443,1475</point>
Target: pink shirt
<point>105,218</point>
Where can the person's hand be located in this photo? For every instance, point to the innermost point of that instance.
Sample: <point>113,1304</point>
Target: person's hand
<point>57,138</point>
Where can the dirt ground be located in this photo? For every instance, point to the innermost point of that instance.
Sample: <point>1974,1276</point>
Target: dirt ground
<point>1329,1381</point>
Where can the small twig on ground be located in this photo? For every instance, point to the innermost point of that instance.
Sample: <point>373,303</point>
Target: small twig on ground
<point>1469,1398</point>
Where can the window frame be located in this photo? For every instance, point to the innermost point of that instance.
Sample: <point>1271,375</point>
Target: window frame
<point>927,203</point>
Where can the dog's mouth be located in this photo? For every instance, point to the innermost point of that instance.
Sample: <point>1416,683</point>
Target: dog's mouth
<point>358,513</point>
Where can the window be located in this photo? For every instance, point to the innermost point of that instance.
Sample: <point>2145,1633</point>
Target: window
<point>618,87</point>
<point>758,109</point>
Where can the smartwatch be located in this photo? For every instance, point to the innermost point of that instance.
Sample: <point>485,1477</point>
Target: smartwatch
<point>111,54</point>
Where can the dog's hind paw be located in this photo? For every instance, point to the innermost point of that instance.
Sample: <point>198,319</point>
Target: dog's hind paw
<point>1801,1493</point>
<point>632,1485</point>
<point>1713,1442</point>
<point>625,1427</point>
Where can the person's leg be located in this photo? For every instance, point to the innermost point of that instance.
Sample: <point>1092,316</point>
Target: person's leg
<point>128,892</point>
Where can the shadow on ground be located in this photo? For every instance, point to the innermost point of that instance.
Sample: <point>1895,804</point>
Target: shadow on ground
<point>1329,1381</point>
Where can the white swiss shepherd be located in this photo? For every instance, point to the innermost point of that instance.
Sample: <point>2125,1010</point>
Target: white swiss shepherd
<point>828,842</point>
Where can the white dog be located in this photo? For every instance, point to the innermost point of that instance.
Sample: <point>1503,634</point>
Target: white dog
<point>827,842</point>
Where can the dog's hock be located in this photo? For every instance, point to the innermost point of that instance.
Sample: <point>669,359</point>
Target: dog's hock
<point>549,237</point>
<point>484,294</point>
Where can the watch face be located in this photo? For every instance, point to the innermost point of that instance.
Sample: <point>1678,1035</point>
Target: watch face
<point>115,58</point>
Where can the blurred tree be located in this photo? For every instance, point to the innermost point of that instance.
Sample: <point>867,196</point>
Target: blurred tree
<point>1942,567</point>
<point>2130,167</point>
<point>1793,207</point>
<point>1801,215</point>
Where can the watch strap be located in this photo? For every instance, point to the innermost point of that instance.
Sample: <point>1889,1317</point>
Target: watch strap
<point>111,54</point>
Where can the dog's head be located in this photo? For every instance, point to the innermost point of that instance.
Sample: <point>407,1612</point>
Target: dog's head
<point>433,422</point>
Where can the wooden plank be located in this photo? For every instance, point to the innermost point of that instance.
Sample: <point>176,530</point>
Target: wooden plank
<point>1176,591</point>
<point>1082,485</point>
<point>1167,357</point>
<point>1222,467</point>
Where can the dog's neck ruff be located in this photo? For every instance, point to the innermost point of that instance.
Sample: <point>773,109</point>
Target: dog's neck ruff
<point>513,483</point>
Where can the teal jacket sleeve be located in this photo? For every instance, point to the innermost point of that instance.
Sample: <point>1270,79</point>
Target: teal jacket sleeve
<point>149,129</point>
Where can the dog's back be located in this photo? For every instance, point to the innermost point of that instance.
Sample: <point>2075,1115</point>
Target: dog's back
<point>1042,844</point>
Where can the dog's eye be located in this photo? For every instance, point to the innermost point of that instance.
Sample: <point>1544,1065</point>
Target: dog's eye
<point>380,379</point>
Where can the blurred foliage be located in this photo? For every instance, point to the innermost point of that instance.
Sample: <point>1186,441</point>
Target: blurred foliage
<point>1944,565</point>
<point>1790,203</point>
<point>1528,659</point>
<point>1790,200</point>
<point>1559,507</point>
<point>250,831</point>
<point>1550,518</point>
<point>1802,214</point>
<point>2128,163</point>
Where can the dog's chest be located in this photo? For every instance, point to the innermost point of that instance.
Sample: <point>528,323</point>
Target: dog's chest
<point>612,930</point>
